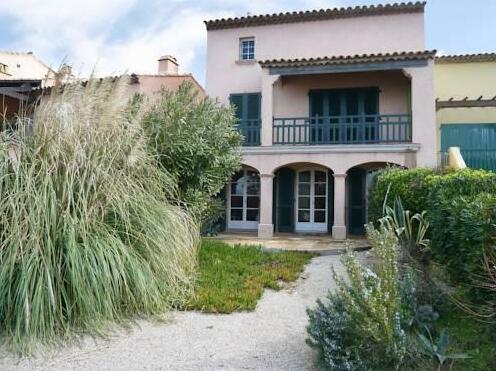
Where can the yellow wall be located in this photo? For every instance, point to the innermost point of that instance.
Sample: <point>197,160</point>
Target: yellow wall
<point>460,80</point>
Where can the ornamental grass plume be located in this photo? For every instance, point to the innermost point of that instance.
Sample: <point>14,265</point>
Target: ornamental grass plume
<point>90,230</point>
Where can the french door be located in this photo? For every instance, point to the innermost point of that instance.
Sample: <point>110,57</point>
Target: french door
<point>311,201</point>
<point>244,200</point>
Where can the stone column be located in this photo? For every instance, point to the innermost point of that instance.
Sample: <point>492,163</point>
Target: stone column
<point>265,226</point>
<point>267,107</point>
<point>339,227</point>
<point>424,129</point>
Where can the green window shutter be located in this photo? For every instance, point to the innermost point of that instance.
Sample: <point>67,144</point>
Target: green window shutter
<point>253,106</point>
<point>237,102</point>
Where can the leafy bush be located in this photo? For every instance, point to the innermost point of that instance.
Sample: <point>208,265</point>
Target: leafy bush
<point>195,141</point>
<point>88,233</point>
<point>470,224</point>
<point>359,326</point>
<point>445,206</point>
<point>412,186</point>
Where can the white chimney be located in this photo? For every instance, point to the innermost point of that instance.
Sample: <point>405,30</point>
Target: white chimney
<point>167,65</point>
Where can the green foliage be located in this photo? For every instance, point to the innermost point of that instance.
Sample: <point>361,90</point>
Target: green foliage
<point>359,326</point>
<point>195,141</point>
<point>439,350</point>
<point>411,230</point>
<point>456,213</point>
<point>88,231</point>
<point>469,224</point>
<point>233,278</point>
<point>412,186</point>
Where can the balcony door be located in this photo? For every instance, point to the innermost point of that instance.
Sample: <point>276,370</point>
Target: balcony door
<point>311,201</point>
<point>344,115</point>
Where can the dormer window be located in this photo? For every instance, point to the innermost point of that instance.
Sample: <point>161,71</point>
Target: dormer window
<point>247,49</point>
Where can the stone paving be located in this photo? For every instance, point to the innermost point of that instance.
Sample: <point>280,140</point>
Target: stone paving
<point>321,244</point>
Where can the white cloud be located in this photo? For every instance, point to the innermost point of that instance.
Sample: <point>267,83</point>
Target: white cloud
<point>84,31</point>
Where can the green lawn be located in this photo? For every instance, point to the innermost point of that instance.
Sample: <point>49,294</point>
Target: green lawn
<point>233,278</point>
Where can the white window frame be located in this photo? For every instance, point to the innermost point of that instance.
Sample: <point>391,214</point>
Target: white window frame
<point>243,224</point>
<point>250,55</point>
<point>311,226</point>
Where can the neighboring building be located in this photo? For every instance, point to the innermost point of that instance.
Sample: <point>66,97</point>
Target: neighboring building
<point>167,77</point>
<point>19,74</point>
<point>466,106</point>
<point>323,98</point>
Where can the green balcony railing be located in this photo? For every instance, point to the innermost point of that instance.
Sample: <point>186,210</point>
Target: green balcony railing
<point>352,129</point>
<point>250,130</point>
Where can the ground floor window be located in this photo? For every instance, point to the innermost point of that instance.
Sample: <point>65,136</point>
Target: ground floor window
<point>244,200</point>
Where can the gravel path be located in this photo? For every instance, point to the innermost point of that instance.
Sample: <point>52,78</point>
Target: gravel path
<point>270,338</point>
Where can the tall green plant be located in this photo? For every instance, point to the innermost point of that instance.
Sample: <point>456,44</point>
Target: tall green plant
<point>359,326</point>
<point>195,140</point>
<point>88,234</point>
<point>411,230</point>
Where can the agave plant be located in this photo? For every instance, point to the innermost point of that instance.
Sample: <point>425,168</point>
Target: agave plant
<point>439,350</point>
<point>411,230</point>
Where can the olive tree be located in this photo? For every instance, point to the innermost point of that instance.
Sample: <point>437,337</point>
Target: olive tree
<point>196,142</point>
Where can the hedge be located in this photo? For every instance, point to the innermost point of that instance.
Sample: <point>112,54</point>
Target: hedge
<point>470,223</point>
<point>411,185</point>
<point>461,210</point>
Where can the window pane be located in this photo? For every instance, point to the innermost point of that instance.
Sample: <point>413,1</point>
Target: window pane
<point>320,189</point>
<point>236,214</point>
<point>252,176</point>
<point>304,216</point>
<point>304,189</point>
<point>236,201</point>
<point>304,176</point>
<point>320,203</point>
<point>319,216</point>
<point>253,188</point>
<point>252,202</point>
<point>238,175</point>
<point>252,215</point>
<point>237,188</point>
<point>304,202</point>
<point>320,176</point>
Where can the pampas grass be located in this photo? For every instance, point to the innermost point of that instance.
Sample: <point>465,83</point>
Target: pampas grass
<point>90,230</point>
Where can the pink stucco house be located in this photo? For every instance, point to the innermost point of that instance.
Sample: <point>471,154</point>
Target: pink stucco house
<point>323,98</point>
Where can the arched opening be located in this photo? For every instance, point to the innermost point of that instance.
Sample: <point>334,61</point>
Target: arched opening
<point>243,200</point>
<point>358,181</point>
<point>303,198</point>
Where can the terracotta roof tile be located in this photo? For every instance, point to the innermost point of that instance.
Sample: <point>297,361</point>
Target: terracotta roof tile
<point>466,58</point>
<point>315,15</point>
<point>350,59</point>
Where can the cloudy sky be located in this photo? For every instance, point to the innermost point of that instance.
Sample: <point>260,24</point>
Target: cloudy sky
<point>129,35</point>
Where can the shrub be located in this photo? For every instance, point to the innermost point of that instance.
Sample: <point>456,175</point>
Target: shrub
<point>412,186</point>
<point>443,198</point>
<point>359,327</point>
<point>88,234</point>
<point>195,141</point>
<point>469,224</point>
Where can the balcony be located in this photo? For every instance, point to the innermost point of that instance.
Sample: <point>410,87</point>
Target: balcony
<point>250,130</point>
<point>353,129</point>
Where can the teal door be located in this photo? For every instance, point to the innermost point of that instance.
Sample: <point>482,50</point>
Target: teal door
<point>356,200</point>
<point>477,143</point>
<point>285,200</point>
